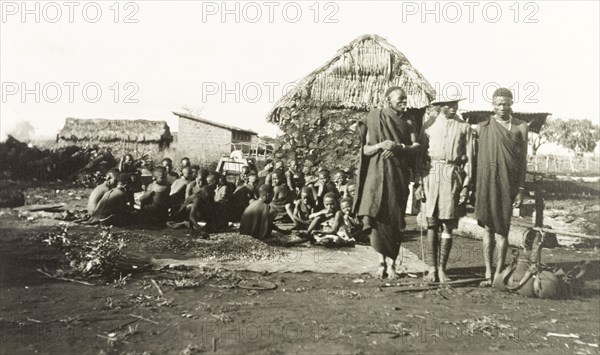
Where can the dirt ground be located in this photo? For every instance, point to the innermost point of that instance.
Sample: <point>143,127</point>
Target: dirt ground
<point>205,310</point>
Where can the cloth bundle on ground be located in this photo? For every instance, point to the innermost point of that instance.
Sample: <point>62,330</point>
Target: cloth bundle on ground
<point>529,277</point>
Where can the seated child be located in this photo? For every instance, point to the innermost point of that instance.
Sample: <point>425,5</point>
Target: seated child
<point>242,179</point>
<point>341,183</point>
<point>242,196</point>
<point>223,194</point>
<point>112,208</point>
<point>203,209</point>
<point>184,162</point>
<point>196,184</point>
<point>326,223</point>
<point>257,220</point>
<point>352,226</point>
<point>350,188</point>
<point>302,208</point>
<point>155,201</point>
<point>282,195</point>
<point>323,186</point>
<point>170,175</point>
<point>96,195</point>
<point>179,186</point>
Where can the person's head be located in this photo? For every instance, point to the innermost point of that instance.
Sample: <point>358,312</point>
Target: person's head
<point>340,177</point>
<point>277,178</point>
<point>346,205</point>
<point>111,178</point>
<point>306,195</point>
<point>128,158</point>
<point>265,192</point>
<point>195,170</point>
<point>245,169</point>
<point>502,100</point>
<point>252,179</point>
<point>212,178</point>
<point>124,179</point>
<point>449,109</point>
<point>293,164</point>
<point>351,187</point>
<point>201,177</point>
<point>396,99</point>
<point>186,173</point>
<point>330,202</point>
<point>185,162</point>
<point>324,176</point>
<point>221,178</point>
<point>159,175</point>
<point>279,165</point>
<point>167,163</point>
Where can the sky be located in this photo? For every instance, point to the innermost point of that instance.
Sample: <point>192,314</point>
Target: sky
<point>231,61</point>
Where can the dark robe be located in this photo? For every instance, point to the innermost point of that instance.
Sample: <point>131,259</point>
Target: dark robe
<point>257,220</point>
<point>382,186</point>
<point>499,170</point>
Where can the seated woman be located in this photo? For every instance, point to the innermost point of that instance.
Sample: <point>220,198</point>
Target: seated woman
<point>154,203</point>
<point>113,208</point>
<point>98,192</point>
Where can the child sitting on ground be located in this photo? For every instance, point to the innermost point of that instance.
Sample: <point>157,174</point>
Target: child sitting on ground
<point>179,186</point>
<point>257,221</point>
<point>324,186</point>
<point>326,223</point>
<point>154,203</point>
<point>341,183</point>
<point>112,208</point>
<point>282,196</point>
<point>98,192</point>
<point>195,185</point>
<point>352,226</point>
<point>302,208</point>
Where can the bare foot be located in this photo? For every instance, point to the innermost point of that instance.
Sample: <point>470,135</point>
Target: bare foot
<point>431,275</point>
<point>382,271</point>
<point>442,275</point>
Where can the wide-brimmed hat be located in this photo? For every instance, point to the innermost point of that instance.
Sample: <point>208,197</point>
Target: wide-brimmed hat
<point>447,97</point>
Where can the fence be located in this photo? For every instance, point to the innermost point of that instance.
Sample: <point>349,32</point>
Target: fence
<point>560,164</point>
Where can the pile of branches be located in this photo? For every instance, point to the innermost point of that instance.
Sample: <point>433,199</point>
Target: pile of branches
<point>85,256</point>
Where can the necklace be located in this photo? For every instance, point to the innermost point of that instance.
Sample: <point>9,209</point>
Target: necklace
<point>504,122</point>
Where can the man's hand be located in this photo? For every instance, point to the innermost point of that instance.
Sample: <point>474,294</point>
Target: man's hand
<point>387,145</point>
<point>518,200</point>
<point>464,195</point>
<point>420,193</point>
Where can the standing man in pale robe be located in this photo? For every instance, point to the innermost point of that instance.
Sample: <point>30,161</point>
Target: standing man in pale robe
<point>501,169</point>
<point>446,173</point>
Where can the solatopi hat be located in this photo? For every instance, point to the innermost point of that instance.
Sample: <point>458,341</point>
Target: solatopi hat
<point>442,98</point>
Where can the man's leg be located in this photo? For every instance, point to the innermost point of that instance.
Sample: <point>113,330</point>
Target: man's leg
<point>502,245</point>
<point>432,244</point>
<point>489,245</point>
<point>382,272</point>
<point>445,248</point>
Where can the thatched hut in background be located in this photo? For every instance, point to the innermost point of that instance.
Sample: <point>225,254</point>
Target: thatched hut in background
<point>137,137</point>
<point>319,116</point>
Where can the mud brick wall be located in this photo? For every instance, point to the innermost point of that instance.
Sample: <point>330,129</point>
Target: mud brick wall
<point>202,142</point>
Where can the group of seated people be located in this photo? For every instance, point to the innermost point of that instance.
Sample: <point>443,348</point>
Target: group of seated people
<point>263,203</point>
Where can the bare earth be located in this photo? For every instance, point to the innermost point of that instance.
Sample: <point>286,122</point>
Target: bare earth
<point>208,310</point>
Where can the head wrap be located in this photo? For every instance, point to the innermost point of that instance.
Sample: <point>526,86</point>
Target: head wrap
<point>394,88</point>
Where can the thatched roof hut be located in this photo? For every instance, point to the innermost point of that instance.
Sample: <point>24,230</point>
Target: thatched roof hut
<point>137,137</point>
<point>535,120</point>
<point>318,116</point>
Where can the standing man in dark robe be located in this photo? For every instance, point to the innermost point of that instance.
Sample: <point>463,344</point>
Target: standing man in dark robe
<point>388,144</point>
<point>501,169</point>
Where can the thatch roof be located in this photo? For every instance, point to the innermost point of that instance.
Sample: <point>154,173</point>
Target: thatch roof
<point>535,120</point>
<point>105,130</point>
<point>356,78</point>
<point>213,123</point>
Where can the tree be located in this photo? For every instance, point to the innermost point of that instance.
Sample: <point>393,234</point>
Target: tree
<point>549,132</point>
<point>579,135</point>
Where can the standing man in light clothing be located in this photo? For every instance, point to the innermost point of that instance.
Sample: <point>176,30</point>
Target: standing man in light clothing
<point>445,178</point>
